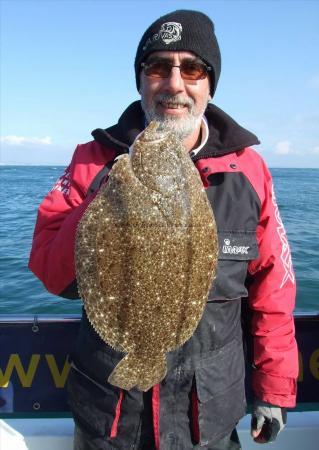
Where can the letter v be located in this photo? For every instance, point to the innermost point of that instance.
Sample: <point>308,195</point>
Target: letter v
<point>58,378</point>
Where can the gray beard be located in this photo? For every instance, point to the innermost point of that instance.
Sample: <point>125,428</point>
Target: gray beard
<point>182,127</point>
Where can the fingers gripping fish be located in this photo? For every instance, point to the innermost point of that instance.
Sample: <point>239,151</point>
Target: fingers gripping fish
<point>146,254</point>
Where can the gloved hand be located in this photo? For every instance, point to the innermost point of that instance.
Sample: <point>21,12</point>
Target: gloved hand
<point>267,421</point>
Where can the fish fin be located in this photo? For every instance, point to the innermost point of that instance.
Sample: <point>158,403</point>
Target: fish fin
<point>133,371</point>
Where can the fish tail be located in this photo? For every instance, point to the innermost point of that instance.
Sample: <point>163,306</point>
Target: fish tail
<point>142,373</point>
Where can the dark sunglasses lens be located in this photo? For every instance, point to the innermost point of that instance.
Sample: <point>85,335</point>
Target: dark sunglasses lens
<point>193,71</point>
<point>160,69</point>
<point>189,70</point>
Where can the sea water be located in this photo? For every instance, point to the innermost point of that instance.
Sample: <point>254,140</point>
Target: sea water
<point>22,189</point>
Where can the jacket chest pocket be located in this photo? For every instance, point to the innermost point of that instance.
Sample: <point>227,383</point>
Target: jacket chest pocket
<point>236,249</point>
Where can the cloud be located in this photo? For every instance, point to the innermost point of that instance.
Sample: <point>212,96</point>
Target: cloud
<point>283,148</point>
<point>30,154</point>
<point>22,140</point>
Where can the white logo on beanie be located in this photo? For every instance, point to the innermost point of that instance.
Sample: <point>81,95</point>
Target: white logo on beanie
<point>169,32</point>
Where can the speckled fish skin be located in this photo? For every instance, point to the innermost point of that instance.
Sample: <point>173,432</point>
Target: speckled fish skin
<point>146,254</point>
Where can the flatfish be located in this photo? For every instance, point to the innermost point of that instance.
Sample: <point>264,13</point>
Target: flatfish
<point>146,254</point>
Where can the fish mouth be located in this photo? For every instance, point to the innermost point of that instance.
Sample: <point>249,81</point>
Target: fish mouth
<point>154,133</point>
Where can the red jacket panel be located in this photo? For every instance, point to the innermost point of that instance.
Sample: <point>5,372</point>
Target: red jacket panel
<point>52,254</point>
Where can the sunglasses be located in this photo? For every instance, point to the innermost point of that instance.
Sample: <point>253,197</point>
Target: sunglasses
<point>190,70</point>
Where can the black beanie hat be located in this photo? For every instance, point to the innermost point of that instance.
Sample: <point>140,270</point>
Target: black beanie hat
<point>182,30</point>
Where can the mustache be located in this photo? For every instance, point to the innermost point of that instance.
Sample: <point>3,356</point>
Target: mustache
<point>178,100</point>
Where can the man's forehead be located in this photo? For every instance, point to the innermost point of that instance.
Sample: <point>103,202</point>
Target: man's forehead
<point>166,54</point>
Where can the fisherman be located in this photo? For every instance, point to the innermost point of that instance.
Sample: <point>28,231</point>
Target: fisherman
<point>202,397</point>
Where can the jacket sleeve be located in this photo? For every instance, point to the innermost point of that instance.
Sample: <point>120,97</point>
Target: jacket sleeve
<point>52,253</point>
<point>272,298</point>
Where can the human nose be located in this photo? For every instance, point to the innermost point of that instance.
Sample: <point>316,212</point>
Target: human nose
<point>174,82</point>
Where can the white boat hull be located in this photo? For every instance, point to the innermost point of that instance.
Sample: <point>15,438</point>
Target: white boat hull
<point>301,433</point>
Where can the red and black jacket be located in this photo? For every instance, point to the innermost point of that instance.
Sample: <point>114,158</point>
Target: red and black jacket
<point>254,261</point>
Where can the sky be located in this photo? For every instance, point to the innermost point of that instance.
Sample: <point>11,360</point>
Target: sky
<point>67,68</point>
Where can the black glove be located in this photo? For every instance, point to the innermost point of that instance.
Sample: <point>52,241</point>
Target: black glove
<point>267,421</point>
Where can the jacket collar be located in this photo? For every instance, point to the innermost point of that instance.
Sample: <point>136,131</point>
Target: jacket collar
<point>225,135</point>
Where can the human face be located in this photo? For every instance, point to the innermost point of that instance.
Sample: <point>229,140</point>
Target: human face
<point>177,103</point>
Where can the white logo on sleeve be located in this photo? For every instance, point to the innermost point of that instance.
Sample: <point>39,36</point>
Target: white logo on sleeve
<point>234,249</point>
<point>63,184</point>
<point>285,250</point>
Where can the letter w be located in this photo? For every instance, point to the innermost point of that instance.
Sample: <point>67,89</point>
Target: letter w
<point>26,377</point>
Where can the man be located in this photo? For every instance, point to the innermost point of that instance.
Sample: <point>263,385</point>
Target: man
<point>202,397</point>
